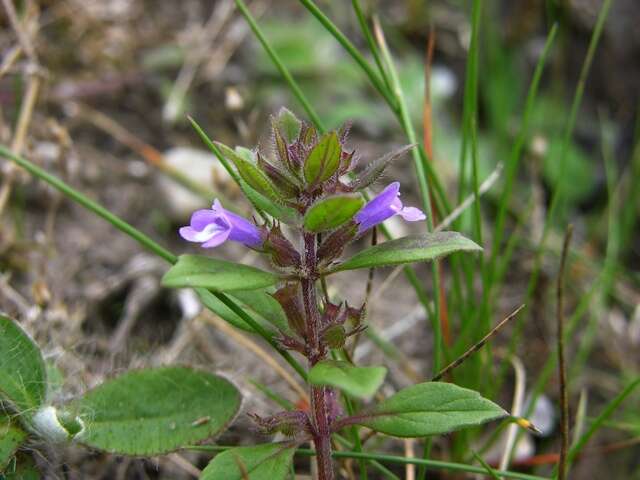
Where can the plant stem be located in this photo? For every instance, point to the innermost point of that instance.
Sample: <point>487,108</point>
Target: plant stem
<point>315,353</point>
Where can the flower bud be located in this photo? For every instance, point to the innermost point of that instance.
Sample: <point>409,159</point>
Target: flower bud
<point>334,336</point>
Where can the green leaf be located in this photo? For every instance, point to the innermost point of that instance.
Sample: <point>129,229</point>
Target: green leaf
<point>23,377</point>
<point>331,212</point>
<point>263,462</point>
<point>11,437</point>
<point>283,213</point>
<point>155,411</point>
<point>323,160</point>
<point>430,408</point>
<point>376,168</point>
<point>217,275</point>
<point>413,248</point>
<point>216,306</point>
<point>264,305</point>
<point>360,382</point>
<point>24,468</point>
<point>251,174</point>
<point>288,125</point>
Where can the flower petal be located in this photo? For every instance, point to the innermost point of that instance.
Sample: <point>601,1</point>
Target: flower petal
<point>412,214</point>
<point>200,219</point>
<point>384,199</point>
<point>218,238</point>
<point>193,235</point>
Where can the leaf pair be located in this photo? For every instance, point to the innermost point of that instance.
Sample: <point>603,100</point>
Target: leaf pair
<point>424,409</point>
<point>222,276</point>
<point>144,412</point>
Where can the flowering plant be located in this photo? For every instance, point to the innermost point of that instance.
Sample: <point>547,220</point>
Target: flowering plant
<point>310,196</point>
<point>311,185</point>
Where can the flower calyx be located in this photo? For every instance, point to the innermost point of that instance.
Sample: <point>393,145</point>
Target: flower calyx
<point>290,424</point>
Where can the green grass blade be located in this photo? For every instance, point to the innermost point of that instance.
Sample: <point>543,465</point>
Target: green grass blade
<point>353,51</point>
<point>393,459</point>
<point>90,205</point>
<point>371,43</point>
<point>295,88</point>
<point>143,240</point>
<point>600,419</point>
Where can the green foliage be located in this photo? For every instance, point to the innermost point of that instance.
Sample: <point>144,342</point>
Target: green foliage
<point>413,248</point>
<point>11,437</point>
<point>264,305</point>
<point>577,167</point>
<point>217,275</point>
<point>430,408</point>
<point>360,382</point>
<point>251,174</point>
<point>323,160</point>
<point>155,411</point>
<point>376,168</point>
<point>287,125</point>
<point>214,304</point>
<point>24,468</point>
<point>23,377</point>
<point>332,212</point>
<point>275,209</point>
<point>262,462</point>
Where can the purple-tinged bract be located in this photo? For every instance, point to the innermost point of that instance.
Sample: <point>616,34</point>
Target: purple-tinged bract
<point>385,205</point>
<point>216,225</point>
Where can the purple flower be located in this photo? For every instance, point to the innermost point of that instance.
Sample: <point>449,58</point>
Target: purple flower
<point>217,225</point>
<point>383,206</point>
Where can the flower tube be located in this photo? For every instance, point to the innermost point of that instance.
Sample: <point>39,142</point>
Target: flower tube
<point>385,205</point>
<point>214,226</point>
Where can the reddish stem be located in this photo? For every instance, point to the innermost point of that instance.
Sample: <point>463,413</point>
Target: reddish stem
<point>315,353</point>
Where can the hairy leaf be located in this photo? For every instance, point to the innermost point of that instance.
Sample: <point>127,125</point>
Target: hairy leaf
<point>155,411</point>
<point>413,248</point>
<point>217,275</point>
<point>323,160</point>
<point>263,303</point>
<point>287,124</point>
<point>430,408</point>
<point>251,173</point>
<point>11,437</point>
<point>23,377</point>
<point>331,212</point>
<point>360,382</point>
<point>281,212</point>
<point>263,462</point>
<point>376,168</point>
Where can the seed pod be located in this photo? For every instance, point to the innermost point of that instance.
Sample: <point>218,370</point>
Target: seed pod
<point>335,336</point>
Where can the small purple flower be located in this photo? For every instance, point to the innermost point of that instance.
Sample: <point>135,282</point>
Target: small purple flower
<point>215,226</point>
<point>385,205</point>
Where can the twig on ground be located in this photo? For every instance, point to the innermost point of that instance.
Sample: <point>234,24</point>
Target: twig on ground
<point>28,100</point>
